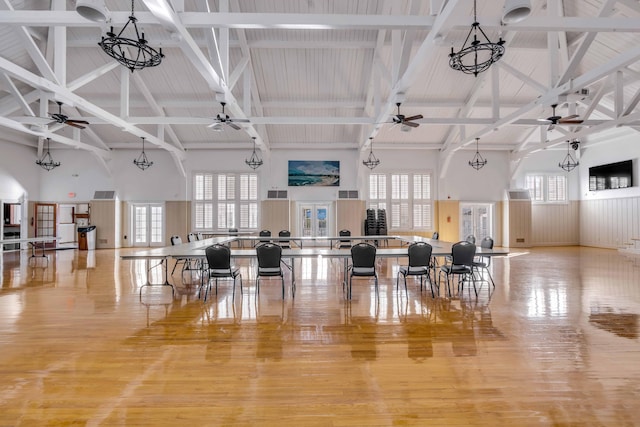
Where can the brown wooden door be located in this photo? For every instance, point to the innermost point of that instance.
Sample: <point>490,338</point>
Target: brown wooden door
<point>46,222</point>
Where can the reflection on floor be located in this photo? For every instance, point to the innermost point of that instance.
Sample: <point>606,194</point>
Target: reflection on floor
<point>556,343</point>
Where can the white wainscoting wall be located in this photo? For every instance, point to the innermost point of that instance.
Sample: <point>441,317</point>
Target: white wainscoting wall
<point>609,223</point>
<point>555,224</point>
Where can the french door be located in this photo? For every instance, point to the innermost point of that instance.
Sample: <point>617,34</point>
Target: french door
<point>147,220</point>
<point>476,220</point>
<point>314,219</point>
<point>46,222</point>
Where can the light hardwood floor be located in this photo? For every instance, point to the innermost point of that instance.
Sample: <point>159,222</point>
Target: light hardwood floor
<point>556,344</point>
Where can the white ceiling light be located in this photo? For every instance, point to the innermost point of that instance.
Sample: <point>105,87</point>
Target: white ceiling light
<point>93,10</point>
<point>515,11</point>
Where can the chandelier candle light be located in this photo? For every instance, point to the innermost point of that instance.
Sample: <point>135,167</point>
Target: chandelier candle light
<point>46,162</point>
<point>371,161</point>
<point>142,162</point>
<point>478,161</point>
<point>569,163</point>
<point>135,54</point>
<point>476,56</point>
<point>254,161</point>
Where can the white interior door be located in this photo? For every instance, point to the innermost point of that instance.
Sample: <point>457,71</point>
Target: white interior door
<point>147,220</point>
<point>476,220</point>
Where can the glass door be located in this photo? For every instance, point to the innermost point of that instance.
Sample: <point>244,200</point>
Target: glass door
<point>476,220</point>
<point>314,220</point>
<point>148,224</point>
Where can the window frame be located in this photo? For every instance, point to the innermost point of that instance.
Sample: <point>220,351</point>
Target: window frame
<point>402,209</point>
<point>241,201</point>
<point>545,188</point>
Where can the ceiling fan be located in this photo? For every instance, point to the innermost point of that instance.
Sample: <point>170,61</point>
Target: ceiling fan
<point>54,118</point>
<point>400,119</point>
<point>559,120</point>
<point>223,118</point>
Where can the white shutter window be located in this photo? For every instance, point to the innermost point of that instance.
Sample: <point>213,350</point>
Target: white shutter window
<point>557,185</point>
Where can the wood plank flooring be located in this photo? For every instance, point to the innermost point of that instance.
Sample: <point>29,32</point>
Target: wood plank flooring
<point>556,344</point>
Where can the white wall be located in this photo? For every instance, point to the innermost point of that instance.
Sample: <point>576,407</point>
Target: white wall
<point>610,218</point>
<point>19,173</point>
<point>464,183</point>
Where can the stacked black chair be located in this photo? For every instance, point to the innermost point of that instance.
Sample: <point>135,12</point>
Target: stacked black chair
<point>371,225</point>
<point>382,222</point>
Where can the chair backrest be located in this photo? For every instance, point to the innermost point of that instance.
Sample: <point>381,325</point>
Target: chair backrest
<point>284,233</point>
<point>363,255</point>
<point>191,237</point>
<point>471,239</point>
<point>345,233</point>
<point>420,254</point>
<point>265,233</point>
<point>486,243</point>
<point>218,257</point>
<point>199,236</point>
<point>233,230</point>
<point>269,255</point>
<point>176,240</point>
<point>462,253</point>
<point>435,236</point>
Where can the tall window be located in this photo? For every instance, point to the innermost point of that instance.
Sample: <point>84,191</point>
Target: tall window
<point>225,200</point>
<point>547,188</point>
<point>408,197</point>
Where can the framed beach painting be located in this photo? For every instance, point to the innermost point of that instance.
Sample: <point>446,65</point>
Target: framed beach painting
<point>319,173</point>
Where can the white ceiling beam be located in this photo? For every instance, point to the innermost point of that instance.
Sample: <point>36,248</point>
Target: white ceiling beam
<point>29,44</point>
<point>605,10</point>
<point>13,90</point>
<point>38,18</point>
<point>66,96</point>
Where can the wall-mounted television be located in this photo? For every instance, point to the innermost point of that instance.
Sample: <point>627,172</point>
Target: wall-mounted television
<point>611,176</point>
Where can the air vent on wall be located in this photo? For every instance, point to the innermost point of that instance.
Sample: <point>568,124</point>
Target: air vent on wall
<point>277,194</point>
<point>518,194</point>
<point>104,195</point>
<point>347,194</point>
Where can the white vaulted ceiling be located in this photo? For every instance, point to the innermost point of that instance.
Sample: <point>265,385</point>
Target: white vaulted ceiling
<point>319,74</point>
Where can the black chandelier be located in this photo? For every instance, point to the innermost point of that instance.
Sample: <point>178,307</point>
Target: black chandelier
<point>372,161</point>
<point>142,162</point>
<point>477,56</point>
<point>135,54</point>
<point>478,161</point>
<point>46,162</point>
<point>254,161</point>
<point>569,163</point>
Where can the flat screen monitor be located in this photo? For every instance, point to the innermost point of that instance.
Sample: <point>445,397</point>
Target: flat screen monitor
<point>611,176</point>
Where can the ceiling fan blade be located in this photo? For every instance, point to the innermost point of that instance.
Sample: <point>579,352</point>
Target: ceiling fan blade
<point>239,120</point>
<point>214,125</point>
<point>233,125</point>
<point>416,117</point>
<point>572,116</point>
<point>551,127</point>
<point>544,120</point>
<point>574,122</point>
<point>73,124</point>
<point>411,124</point>
<point>83,122</point>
